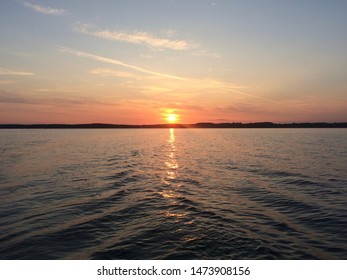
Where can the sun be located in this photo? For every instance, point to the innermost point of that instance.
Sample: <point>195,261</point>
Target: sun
<point>171,118</point>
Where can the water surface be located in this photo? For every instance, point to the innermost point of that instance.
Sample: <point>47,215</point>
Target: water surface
<point>173,194</point>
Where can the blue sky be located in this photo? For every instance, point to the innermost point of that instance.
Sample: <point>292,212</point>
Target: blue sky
<point>138,61</point>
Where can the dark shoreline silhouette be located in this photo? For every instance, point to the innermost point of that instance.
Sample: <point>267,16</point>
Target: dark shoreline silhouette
<point>196,125</point>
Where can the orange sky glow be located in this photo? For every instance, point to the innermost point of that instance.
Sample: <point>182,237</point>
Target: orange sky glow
<point>176,62</point>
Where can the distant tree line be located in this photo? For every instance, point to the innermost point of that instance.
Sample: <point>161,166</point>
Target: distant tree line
<point>197,125</point>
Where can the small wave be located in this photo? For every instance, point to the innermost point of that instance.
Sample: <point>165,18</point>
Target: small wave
<point>111,198</point>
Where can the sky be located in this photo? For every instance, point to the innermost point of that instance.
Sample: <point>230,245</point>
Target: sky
<point>143,62</point>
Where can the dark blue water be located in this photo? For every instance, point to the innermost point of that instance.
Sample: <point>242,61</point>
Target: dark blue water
<point>173,194</point>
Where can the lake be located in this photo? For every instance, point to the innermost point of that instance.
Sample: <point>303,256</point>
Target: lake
<point>173,194</point>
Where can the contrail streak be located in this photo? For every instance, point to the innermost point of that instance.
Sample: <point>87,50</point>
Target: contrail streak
<point>120,63</point>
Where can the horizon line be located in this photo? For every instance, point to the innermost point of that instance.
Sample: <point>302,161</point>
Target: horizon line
<point>180,125</point>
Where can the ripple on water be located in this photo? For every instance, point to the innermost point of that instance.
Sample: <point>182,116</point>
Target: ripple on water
<point>173,194</point>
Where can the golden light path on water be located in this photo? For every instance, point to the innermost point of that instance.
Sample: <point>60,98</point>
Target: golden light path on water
<point>171,174</point>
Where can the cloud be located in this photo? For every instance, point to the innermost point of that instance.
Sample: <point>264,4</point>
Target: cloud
<point>255,96</point>
<point>57,90</point>
<point>52,100</point>
<point>113,73</point>
<point>136,37</point>
<point>201,84</point>
<point>5,71</point>
<point>244,108</point>
<point>5,82</point>
<point>219,120</point>
<point>119,63</point>
<point>45,10</point>
<point>9,97</point>
<point>206,53</point>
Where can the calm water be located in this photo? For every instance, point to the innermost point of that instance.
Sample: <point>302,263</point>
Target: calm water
<point>173,194</point>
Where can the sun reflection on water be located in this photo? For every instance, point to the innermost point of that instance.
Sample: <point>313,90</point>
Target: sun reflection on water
<point>170,193</point>
<point>171,162</point>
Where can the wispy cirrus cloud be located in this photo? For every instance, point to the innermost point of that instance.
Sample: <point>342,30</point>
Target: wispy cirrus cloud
<point>11,97</point>
<point>53,100</point>
<point>12,72</point>
<point>135,37</point>
<point>119,63</point>
<point>113,73</point>
<point>6,82</point>
<point>45,10</point>
<point>179,82</point>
